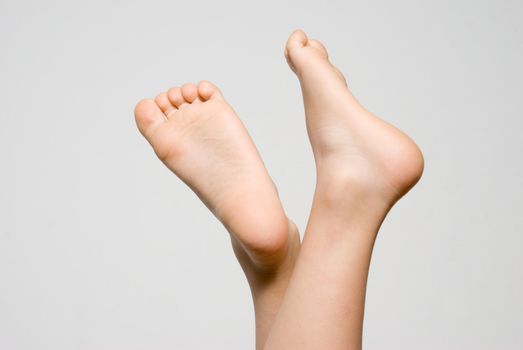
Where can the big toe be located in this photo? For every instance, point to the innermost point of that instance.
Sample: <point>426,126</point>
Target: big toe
<point>148,116</point>
<point>297,40</point>
<point>300,49</point>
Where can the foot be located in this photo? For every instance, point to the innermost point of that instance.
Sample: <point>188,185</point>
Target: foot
<point>199,137</point>
<point>351,146</point>
<point>363,166</point>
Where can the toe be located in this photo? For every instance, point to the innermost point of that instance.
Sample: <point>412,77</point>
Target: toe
<point>163,102</point>
<point>148,116</point>
<point>207,90</point>
<point>297,40</point>
<point>300,51</point>
<point>319,47</point>
<point>190,93</point>
<point>175,96</point>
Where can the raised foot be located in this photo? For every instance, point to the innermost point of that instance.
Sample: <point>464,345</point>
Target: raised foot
<point>354,149</point>
<point>198,136</point>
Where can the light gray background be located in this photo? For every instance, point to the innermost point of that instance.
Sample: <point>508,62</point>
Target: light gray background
<point>102,248</point>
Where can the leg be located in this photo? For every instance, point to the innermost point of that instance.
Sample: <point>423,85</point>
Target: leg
<point>364,166</point>
<point>198,136</point>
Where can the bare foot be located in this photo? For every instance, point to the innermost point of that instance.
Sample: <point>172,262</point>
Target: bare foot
<point>350,144</point>
<point>364,165</point>
<point>198,136</point>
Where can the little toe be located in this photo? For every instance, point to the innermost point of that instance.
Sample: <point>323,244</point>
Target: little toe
<point>207,90</point>
<point>148,116</point>
<point>190,93</point>
<point>163,102</point>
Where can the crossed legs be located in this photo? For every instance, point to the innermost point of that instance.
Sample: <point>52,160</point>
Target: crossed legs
<point>308,297</point>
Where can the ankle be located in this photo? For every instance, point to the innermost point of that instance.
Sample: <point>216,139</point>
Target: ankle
<point>352,193</point>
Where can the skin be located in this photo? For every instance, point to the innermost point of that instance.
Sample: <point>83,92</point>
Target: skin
<point>199,137</point>
<point>364,165</point>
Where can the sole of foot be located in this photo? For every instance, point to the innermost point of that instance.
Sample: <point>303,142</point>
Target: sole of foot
<point>199,137</point>
<point>353,148</point>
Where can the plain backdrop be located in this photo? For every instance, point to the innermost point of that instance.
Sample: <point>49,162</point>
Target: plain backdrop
<point>101,247</point>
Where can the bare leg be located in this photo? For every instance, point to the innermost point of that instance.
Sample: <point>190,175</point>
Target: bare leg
<point>364,166</point>
<point>199,137</point>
